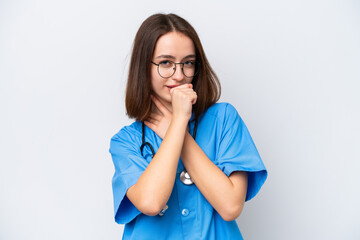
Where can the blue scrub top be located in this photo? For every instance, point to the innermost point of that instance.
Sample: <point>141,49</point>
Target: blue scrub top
<point>225,139</point>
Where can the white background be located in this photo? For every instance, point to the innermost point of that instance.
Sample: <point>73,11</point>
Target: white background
<point>291,68</point>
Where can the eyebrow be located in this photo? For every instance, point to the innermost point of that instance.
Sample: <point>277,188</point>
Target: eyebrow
<point>172,57</point>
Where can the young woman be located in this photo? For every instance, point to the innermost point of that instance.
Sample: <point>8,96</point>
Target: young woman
<point>185,167</point>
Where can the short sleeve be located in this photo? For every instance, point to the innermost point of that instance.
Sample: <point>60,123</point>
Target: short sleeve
<point>237,152</point>
<point>129,165</point>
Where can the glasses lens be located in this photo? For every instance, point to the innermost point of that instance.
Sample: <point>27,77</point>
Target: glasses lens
<point>167,68</point>
<point>189,68</point>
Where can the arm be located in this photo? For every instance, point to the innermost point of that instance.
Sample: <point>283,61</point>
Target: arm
<point>225,194</point>
<point>152,190</point>
<point>154,186</point>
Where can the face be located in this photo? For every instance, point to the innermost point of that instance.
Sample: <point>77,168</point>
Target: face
<point>175,47</point>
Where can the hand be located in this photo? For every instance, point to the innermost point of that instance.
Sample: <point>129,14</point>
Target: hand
<point>182,99</point>
<point>159,122</point>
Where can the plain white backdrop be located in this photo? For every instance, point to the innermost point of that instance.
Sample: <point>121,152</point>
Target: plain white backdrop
<point>291,68</point>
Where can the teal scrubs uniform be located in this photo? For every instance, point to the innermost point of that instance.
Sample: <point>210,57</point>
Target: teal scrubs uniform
<point>225,139</point>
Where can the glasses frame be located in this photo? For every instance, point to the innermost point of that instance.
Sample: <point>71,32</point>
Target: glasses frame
<point>182,68</point>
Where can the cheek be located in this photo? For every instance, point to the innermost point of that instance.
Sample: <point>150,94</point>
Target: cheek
<point>153,80</point>
<point>156,83</point>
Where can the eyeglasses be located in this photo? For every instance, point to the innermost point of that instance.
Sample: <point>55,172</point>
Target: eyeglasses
<point>167,68</point>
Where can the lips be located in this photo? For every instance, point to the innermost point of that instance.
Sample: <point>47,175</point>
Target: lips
<point>172,86</point>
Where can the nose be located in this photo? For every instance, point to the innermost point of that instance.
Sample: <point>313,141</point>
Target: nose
<point>178,75</point>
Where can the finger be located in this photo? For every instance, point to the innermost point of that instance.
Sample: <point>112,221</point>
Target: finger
<point>188,91</point>
<point>181,90</point>
<point>160,106</point>
<point>183,86</point>
<point>193,98</point>
<point>188,85</point>
<point>193,101</point>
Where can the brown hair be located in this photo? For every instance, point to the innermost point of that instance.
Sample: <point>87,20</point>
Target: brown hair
<point>138,89</point>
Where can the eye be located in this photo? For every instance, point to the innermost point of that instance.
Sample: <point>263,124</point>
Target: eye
<point>165,63</point>
<point>189,64</point>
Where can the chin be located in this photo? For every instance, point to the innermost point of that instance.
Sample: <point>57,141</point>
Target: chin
<point>166,96</point>
<point>165,99</point>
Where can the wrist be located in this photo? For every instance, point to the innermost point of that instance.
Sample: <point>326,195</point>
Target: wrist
<point>180,122</point>
<point>181,118</point>
<point>176,130</point>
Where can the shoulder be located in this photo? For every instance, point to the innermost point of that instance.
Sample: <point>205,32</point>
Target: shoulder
<point>128,135</point>
<point>222,111</point>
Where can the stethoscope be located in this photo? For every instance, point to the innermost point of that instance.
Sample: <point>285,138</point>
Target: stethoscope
<point>184,175</point>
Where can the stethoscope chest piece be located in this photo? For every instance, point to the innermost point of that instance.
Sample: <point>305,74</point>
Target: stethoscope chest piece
<point>185,178</point>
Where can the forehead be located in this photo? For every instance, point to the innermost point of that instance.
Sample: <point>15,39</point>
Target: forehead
<point>174,44</point>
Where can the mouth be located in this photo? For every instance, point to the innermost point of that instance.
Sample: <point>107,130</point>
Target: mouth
<point>171,86</point>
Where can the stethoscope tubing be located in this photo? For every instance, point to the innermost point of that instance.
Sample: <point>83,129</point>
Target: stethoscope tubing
<point>145,143</point>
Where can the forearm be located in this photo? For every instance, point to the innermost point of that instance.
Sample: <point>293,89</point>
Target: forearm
<point>225,194</point>
<point>153,188</point>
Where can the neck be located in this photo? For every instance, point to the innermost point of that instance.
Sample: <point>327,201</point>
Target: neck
<point>167,105</point>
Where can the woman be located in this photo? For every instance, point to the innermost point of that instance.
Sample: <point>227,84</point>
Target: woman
<point>185,167</point>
